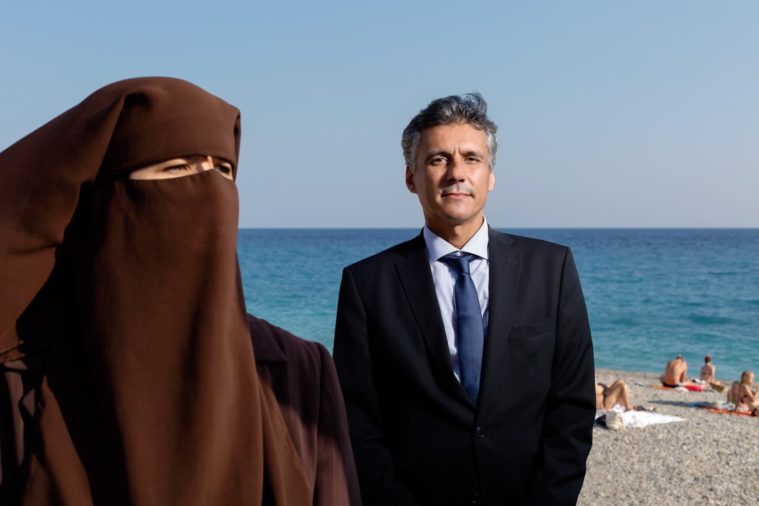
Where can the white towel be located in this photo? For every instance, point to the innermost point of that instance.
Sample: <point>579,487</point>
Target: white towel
<point>639,419</point>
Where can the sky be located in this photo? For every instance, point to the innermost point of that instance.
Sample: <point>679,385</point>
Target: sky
<point>610,114</point>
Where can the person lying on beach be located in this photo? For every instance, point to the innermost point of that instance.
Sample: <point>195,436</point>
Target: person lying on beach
<point>742,396</point>
<point>616,393</point>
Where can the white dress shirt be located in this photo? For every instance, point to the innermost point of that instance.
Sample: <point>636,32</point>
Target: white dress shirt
<point>444,277</point>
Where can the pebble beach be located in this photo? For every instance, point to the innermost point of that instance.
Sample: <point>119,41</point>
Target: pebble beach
<point>706,459</point>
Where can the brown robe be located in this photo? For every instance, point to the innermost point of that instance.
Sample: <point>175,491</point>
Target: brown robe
<point>303,378</point>
<point>125,358</point>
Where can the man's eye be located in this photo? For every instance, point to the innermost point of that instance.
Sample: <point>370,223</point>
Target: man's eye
<point>437,160</point>
<point>473,159</point>
<point>224,169</point>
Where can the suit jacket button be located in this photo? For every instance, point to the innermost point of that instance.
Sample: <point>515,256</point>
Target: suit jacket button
<point>475,497</point>
<point>478,432</point>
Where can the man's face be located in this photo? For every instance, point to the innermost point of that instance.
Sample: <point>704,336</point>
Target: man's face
<point>451,176</point>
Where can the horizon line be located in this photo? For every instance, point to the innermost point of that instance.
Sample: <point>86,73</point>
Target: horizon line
<point>503,228</point>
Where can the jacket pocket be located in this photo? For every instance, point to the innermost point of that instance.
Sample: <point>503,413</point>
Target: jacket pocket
<point>526,331</point>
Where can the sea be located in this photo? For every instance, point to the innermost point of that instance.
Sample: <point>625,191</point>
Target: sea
<point>651,293</point>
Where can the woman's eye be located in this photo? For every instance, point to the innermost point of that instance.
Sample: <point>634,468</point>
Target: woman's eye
<point>177,169</point>
<point>224,169</point>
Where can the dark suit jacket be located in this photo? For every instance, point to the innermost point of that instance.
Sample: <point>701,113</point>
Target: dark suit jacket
<point>302,377</point>
<point>417,437</point>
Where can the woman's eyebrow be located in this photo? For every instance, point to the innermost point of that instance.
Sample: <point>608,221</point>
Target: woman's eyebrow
<point>169,163</point>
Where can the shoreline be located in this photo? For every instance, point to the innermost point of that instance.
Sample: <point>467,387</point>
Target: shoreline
<point>705,459</point>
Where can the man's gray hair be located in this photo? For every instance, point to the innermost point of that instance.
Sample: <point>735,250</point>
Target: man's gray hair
<point>469,108</point>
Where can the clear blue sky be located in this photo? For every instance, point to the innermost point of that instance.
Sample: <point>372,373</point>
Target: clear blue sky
<point>611,114</point>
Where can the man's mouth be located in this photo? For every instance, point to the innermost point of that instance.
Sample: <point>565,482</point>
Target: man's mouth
<point>456,191</point>
<point>456,195</point>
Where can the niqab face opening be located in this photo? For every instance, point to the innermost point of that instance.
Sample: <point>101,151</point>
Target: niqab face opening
<point>133,341</point>
<point>184,166</point>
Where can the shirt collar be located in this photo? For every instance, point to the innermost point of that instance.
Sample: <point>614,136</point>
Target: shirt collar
<point>438,247</point>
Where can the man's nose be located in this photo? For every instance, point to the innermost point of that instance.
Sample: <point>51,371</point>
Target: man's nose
<point>455,169</point>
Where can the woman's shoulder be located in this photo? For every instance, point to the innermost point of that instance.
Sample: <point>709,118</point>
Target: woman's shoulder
<point>273,343</point>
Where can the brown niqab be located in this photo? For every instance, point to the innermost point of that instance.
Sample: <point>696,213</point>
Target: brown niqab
<point>130,378</point>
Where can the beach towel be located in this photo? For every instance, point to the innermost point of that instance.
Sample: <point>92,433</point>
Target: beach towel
<point>722,411</point>
<point>681,388</point>
<point>720,408</point>
<point>640,419</point>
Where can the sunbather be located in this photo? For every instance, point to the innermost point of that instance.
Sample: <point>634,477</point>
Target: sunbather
<point>616,393</point>
<point>742,396</point>
<point>708,371</point>
<point>675,372</point>
<point>708,375</point>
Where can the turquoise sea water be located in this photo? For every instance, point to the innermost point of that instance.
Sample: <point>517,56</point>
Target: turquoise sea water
<point>651,293</point>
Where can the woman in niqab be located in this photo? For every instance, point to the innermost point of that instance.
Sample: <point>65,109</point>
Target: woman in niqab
<point>127,374</point>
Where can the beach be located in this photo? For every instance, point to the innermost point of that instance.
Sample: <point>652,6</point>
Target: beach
<point>705,459</point>
<point>651,294</point>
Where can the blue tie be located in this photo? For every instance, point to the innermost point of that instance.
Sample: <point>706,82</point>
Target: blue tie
<point>470,333</point>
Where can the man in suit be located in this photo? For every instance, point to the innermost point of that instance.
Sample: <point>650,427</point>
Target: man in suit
<point>464,354</point>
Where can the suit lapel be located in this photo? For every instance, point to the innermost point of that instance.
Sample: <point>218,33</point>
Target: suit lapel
<point>416,279</point>
<point>504,264</point>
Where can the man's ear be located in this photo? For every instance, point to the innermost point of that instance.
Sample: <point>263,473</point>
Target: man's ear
<point>410,179</point>
<point>491,183</point>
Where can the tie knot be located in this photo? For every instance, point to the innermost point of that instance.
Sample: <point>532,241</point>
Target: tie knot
<point>459,262</point>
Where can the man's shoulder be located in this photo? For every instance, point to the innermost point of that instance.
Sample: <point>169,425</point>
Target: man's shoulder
<point>387,257</point>
<point>499,242</point>
<point>524,244</point>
